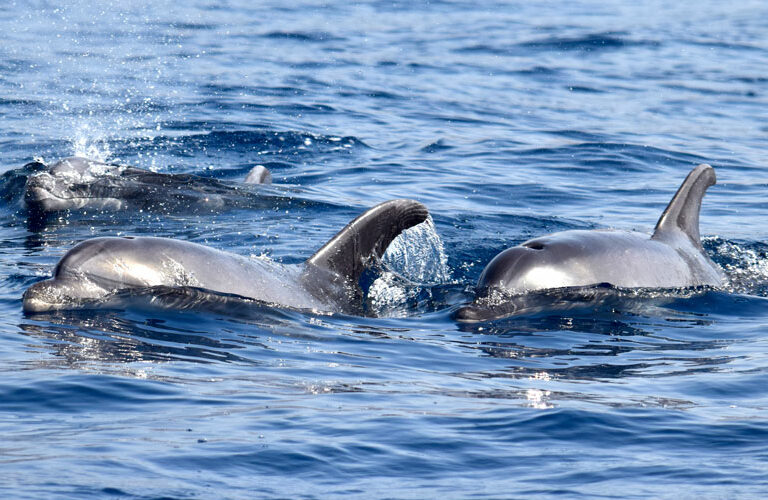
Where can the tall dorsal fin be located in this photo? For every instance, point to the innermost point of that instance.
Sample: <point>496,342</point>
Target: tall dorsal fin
<point>368,236</point>
<point>682,213</point>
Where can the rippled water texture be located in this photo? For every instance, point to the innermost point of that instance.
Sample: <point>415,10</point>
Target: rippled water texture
<point>509,121</point>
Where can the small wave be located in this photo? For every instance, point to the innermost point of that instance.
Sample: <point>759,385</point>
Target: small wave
<point>229,89</point>
<point>81,393</point>
<point>586,43</point>
<point>628,156</point>
<point>538,71</point>
<point>236,106</point>
<point>10,102</point>
<point>752,79</point>
<point>719,44</point>
<point>188,26</point>
<point>301,36</point>
<point>261,140</point>
<point>437,146</point>
<point>372,93</point>
<point>483,48</point>
<point>586,90</point>
<point>712,90</point>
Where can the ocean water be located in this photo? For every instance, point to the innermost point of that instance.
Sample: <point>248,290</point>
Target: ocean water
<point>509,120</point>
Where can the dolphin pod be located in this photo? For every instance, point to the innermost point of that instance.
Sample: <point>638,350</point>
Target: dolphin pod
<point>672,257</point>
<point>79,183</point>
<point>96,269</point>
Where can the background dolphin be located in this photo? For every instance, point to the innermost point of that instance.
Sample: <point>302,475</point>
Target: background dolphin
<point>96,269</point>
<point>670,258</point>
<point>80,183</point>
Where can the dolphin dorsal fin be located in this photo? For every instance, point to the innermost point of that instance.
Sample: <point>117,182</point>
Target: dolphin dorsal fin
<point>258,175</point>
<point>682,213</point>
<point>367,237</point>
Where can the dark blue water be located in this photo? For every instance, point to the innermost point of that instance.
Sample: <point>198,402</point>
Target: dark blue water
<point>508,120</point>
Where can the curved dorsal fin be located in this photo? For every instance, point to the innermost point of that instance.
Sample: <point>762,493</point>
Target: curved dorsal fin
<point>368,236</point>
<point>682,213</point>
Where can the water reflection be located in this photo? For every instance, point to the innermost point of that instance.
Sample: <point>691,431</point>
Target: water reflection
<point>107,337</point>
<point>600,344</point>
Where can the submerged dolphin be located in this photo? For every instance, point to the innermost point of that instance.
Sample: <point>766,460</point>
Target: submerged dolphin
<point>78,183</point>
<point>96,269</point>
<point>672,257</point>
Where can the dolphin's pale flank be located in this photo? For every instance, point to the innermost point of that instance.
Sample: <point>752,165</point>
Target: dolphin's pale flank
<point>96,269</point>
<point>79,183</point>
<point>672,257</point>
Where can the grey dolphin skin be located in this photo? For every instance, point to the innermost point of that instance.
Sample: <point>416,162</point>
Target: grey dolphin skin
<point>672,257</point>
<point>80,183</point>
<point>258,175</point>
<point>96,269</point>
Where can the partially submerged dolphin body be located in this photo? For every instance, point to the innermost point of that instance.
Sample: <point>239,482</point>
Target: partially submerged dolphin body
<point>672,257</point>
<point>94,270</point>
<point>80,183</point>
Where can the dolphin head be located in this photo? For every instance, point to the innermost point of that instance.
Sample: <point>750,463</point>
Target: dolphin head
<point>505,281</point>
<point>522,278</point>
<point>672,257</point>
<point>553,272</point>
<point>537,264</point>
<point>65,185</point>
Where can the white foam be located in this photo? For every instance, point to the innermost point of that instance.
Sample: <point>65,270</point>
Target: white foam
<point>746,269</point>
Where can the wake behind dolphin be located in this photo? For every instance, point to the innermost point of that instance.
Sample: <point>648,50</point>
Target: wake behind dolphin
<point>672,257</point>
<point>96,269</point>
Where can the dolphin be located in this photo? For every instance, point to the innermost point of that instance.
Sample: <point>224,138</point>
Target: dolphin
<point>80,183</point>
<point>671,257</point>
<point>97,269</point>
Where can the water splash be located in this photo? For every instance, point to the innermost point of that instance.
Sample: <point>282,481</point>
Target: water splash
<point>414,262</point>
<point>91,144</point>
<point>745,266</point>
<point>418,255</point>
<point>92,93</point>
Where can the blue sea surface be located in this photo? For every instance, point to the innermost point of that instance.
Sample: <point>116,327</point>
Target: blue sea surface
<point>509,120</point>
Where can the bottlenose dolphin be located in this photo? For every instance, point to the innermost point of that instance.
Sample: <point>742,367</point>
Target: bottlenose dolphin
<point>79,183</point>
<point>98,268</point>
<point>672,257</point>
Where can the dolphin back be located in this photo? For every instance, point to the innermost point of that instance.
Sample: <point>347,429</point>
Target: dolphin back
<point>366,238</point>
<point>682,213</point>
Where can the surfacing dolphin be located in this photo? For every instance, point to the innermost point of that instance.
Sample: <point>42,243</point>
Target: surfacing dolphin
<point>672,257</point>
<point>94,270</point>
<point>79,183</point>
